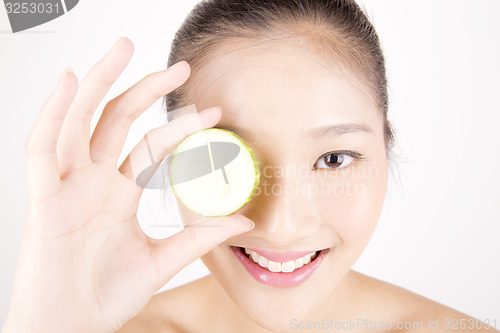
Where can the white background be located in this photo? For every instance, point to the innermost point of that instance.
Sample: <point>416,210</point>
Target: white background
<point>440,229</point>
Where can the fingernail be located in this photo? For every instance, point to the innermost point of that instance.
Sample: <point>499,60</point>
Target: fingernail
<point>177,64</point>
<point>122,38</point>
<point>116,43</point>
<point>208,113</point>
<point>215,109</point>
<point>66,70</point>
<point>252,225</point>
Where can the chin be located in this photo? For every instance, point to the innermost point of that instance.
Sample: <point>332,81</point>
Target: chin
<point>270,307</point>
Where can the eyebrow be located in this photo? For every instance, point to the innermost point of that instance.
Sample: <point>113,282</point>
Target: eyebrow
<point>339,129</point>
<point>334,130</point>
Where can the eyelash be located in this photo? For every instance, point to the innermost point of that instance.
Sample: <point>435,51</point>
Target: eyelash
<point>352,154</point>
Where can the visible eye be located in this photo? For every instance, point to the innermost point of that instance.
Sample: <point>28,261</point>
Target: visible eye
<point>336,160</point>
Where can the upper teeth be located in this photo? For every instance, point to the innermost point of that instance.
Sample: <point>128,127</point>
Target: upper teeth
<point>274,266</point>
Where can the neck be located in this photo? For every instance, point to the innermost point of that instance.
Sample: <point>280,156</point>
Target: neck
<point>340,305</point>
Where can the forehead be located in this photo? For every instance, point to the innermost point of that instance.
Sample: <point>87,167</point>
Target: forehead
<point>280,84</point>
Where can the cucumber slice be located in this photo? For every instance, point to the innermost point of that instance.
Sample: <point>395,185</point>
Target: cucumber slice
<point>213,172</point>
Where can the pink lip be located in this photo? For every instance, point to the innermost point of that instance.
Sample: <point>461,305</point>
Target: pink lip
<point>281,279</point>
<point>281,256</point>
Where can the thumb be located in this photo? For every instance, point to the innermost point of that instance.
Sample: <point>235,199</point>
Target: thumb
<point>195,240</point>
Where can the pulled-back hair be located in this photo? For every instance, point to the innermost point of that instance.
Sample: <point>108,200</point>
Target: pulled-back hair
<point>339,28</point>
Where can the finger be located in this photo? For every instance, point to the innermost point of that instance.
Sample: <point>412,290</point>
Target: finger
<point>73,145</point>
<point>42,170</point>
<point>111,131</point>
<point>161,141</point>
<point>177,251</point>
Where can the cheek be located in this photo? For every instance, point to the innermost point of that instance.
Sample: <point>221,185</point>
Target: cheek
<point>353,203</point>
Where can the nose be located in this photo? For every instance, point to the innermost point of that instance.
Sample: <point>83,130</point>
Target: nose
<point>283,214</point>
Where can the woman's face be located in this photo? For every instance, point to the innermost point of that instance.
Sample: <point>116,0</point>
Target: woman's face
<point>281,99</point>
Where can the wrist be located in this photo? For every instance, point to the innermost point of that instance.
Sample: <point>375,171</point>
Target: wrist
<point>14,326</point>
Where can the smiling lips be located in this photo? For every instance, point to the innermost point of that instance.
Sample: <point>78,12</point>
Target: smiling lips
<point>279,269</point>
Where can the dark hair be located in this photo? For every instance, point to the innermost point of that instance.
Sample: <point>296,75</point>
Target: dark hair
<point>340,26</point>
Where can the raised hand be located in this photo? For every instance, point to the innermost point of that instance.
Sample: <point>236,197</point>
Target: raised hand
<point>84,264</point>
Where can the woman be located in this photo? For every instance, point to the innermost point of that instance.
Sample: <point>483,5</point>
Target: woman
<point>303,82</point>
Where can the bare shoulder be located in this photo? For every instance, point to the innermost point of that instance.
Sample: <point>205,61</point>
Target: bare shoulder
<point>414,312</point>
<point>170,311</point>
